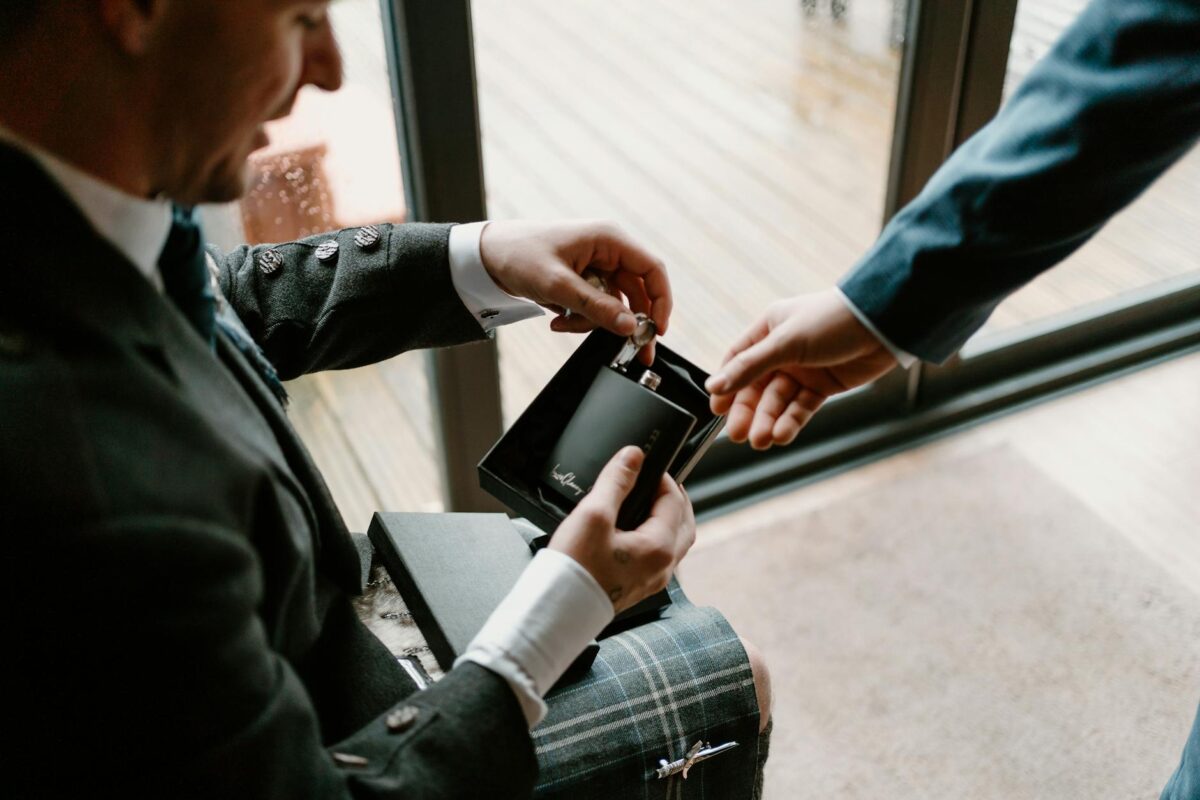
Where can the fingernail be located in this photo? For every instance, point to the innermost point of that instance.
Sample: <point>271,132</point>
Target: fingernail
<point>716,384</point>
<point>626,320</point>
<point>631,456</point>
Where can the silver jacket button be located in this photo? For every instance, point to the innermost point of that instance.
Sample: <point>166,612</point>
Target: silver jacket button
<point>402,718</point>
<point>270,262</point>
<point>327,250</point>
<point>350,760</point>
<point>367,237</point>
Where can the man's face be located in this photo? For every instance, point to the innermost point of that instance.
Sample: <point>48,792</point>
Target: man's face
<point>223,69</point>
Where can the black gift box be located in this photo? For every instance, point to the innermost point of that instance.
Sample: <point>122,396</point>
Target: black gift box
<point>452,571</point>
<point>512,469</point>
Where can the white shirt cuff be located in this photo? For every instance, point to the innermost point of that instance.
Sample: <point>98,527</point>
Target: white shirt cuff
<point>543,624</point>
<point>488,303</point>
<point>905,358</point>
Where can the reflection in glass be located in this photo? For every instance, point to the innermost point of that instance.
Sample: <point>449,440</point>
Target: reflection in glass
<point>335,163</point>
<point>745,143</point>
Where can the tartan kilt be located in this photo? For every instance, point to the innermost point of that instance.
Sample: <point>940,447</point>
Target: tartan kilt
<point>653,691</point>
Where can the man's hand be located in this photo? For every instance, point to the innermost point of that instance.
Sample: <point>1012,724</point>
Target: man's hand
<point>544,262</point>
<point>780,371</point>
<point>628,565</point>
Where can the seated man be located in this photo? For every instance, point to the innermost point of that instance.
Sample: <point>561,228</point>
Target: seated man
<point>143,448</point>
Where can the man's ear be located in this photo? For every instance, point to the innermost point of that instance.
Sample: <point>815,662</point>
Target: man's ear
<point>132,23</point>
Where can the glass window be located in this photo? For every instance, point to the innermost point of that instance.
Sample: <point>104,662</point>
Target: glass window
<point>334,163</point>
<point>745,143</point>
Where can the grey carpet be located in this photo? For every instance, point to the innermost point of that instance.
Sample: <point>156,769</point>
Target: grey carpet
<point>970,632</point>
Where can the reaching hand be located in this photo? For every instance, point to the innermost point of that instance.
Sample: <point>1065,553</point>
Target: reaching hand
<point>628,565</point>
<point>543,261</point>
<point>798,354</point>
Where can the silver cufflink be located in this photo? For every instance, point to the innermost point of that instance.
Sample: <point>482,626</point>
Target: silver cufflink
<point>698,752</point>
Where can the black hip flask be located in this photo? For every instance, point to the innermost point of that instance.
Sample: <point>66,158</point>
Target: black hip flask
<point>616,412</point>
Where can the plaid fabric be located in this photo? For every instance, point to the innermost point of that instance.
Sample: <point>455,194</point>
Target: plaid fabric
<point>653,691</point>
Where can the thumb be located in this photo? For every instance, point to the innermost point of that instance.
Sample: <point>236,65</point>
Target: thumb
<point>597,305</point>
<point>746,367</point>
<point>616,480</point>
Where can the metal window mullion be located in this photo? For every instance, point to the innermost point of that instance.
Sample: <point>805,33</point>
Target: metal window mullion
<point>951,83</point>
<point>431,58</point>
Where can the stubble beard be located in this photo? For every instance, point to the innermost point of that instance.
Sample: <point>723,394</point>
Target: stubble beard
<point>224,184</point>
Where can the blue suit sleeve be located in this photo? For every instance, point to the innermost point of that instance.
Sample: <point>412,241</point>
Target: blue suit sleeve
<point>1108,110</point>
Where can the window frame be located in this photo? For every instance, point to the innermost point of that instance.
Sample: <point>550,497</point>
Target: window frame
<point>951,82</point>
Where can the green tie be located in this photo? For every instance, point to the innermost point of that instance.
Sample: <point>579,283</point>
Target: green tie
<point>185,275</point>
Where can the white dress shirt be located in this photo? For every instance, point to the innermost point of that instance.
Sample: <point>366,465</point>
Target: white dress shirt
<point>556,607</point>
<point>490,305</point>
<point>136,227</point>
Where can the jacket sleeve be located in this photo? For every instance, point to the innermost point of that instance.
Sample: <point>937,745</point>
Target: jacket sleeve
<point>1114,103</point>
<point>312,311</point>
<point>170,688</point>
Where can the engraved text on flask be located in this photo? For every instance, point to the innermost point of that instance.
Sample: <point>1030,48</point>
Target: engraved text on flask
<point>566,479</point>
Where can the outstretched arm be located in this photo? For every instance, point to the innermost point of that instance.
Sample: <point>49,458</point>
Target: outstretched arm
<point>1114,103</point>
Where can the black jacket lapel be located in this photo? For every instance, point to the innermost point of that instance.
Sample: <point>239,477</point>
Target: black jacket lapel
<point>334,544</point>
<point>61,277</point>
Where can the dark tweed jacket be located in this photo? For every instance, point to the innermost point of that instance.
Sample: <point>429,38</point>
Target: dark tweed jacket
<point>176,576</point>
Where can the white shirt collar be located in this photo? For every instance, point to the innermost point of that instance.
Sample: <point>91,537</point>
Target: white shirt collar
<point>138,228</point>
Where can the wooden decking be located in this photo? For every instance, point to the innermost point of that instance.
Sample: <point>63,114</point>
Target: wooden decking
<point>746,143</point>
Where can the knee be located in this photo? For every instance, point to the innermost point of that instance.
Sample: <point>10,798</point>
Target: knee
<point>762,682</point>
